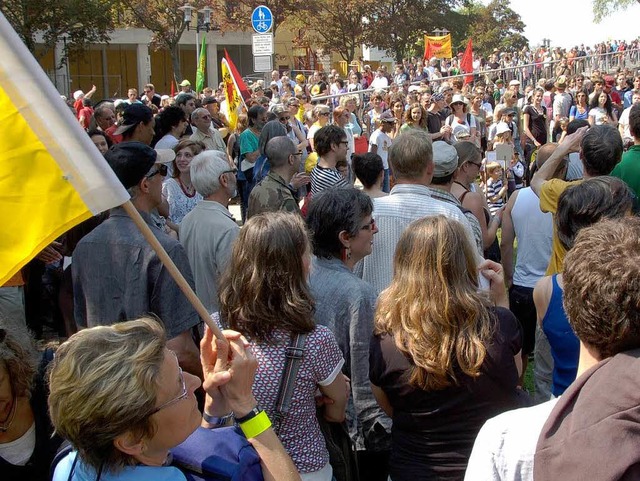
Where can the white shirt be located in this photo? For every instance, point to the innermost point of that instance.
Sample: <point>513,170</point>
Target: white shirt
<point>506,444</point>
<point>383,141</point>
<point>19,452</point>
<point>393,213</point>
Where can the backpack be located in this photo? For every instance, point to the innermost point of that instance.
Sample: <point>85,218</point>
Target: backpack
<point>221,454</point>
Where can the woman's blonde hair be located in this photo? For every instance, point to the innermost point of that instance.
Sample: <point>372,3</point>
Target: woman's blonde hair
<point>432,308</point>
<point>104,383</point>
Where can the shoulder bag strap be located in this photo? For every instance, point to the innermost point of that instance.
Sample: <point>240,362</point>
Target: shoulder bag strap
<point>294,353</point>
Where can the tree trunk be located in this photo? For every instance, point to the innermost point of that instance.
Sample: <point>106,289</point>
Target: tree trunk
<point>175,62</point>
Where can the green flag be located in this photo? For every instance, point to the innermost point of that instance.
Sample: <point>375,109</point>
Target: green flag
<point>202,65</point>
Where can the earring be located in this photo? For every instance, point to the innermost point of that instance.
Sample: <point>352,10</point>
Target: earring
<point>346,254</point>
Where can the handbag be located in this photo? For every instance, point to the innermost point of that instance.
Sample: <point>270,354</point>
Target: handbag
<point>341,448</point>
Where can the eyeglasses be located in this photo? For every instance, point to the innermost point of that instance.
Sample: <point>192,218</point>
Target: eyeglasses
<point>478,165</point>
<point>370,226</point>
<point>162,169</point>
<point>183,395</point>
<point>284,119</point>
<point>297,153</point>
<point>205,117</point>
<point>230,171</point>
<point>345,142</point>
<point>325,113</point>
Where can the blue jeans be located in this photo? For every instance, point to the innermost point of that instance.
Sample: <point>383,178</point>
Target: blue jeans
<point>386,185</point>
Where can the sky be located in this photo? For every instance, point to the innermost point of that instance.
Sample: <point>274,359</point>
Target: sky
<point>570,22</point>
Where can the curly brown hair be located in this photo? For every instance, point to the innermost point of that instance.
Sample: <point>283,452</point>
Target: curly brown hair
<point>18,356</point>
<point>264,286</point>
<point>602,285</point>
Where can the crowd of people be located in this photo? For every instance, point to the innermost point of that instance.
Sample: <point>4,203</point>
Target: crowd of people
<point>404,254</point>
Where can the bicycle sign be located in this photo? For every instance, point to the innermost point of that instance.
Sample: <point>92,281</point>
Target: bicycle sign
<point>262,19</point>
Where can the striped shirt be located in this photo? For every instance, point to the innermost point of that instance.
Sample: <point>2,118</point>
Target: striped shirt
<point>324,178</point>
<point>393,213</point>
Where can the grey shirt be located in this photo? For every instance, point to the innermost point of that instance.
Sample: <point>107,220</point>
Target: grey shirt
<point>207,233</point>
<point>346,305</point>
<point>117,276</point>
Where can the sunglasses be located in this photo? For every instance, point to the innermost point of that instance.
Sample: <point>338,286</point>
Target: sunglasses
<point>284,119</point>
<point>162,169</point>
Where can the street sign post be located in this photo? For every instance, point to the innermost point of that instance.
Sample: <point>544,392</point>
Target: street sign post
<point>262,44</point>
<point>263,63</point>
<point>262,19</point>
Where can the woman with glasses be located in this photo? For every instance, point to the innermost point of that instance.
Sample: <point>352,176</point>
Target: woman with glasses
<point>464,188</point>
<point>444,355</point>
<point>342,227</point>
<point>178,190</point>
<point>342,118</point>
<point>264,294</point>
<point>27,442</point>
<point>463,124</point>
<point>120,398</point>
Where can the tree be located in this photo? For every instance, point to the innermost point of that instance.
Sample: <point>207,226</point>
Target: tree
<point>333,25</point>
<point>165,20</point>
<point>603,8</point>
<point>81,23</point>
<point>496,26</point>
<point>399,26</point>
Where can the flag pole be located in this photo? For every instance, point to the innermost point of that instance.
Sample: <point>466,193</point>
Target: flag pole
<point>172,268</point>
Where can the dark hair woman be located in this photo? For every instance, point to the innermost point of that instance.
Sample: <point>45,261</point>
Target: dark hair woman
<point>264,294</point>
<point>343,229</point>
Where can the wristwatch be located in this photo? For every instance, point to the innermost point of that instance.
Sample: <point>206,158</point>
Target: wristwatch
<point>250,415</point>
<point>217,421</point>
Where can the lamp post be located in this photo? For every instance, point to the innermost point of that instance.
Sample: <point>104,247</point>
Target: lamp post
<point>203,22</point>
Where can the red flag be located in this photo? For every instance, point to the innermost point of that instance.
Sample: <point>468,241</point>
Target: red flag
<point>427,50</point>
<point>242,87</point>
<point>173,88</point>
<point>466,64</point>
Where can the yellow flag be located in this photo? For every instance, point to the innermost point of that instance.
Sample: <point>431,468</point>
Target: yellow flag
<point>231,94</point>
<point>439,47</point>
<point>52,177</point>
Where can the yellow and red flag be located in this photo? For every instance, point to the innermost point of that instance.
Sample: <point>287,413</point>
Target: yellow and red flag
<point>52,177</point>
<point>439,47</point>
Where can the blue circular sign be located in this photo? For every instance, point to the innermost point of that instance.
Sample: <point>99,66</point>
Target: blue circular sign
<point>262,19</point>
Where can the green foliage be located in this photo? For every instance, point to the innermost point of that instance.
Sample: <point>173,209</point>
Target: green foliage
<point>80,22</point>
<point>332,25</point>
<point>399,26</point>
<point>495,26</point>
<point>603,8</point>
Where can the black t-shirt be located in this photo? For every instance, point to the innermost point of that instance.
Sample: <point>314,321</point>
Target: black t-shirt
<point>433,431</point>
<point>434,124</point>
<point>537,123</point>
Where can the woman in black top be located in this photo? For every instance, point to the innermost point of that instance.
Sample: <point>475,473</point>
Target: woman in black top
<point>443,358</point>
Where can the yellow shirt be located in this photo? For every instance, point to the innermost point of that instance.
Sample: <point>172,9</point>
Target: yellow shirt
<point>549,195</point>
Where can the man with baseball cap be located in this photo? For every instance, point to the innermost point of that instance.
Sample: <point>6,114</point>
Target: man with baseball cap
<point>445,163</point>
<point>435,126</point>
<point>117,276</point>
<point>137,124</point>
